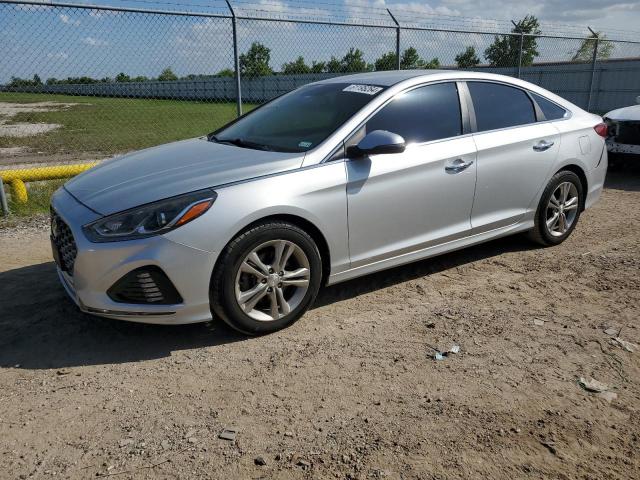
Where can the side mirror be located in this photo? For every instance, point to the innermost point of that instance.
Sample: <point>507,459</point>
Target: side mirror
<point>377,142</point>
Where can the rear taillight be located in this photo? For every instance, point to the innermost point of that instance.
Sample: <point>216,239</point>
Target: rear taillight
<point>601,129</point>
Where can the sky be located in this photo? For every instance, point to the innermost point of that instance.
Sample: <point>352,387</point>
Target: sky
<point>61,42</point>
<point>599,14</point>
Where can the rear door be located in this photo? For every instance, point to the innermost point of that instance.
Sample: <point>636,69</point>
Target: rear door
<point>402,202</point>
<point>515,153</point>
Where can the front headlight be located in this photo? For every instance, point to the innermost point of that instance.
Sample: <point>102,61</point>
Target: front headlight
<point>151,219</point>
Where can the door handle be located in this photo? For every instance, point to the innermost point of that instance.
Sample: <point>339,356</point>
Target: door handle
<point>457,166</point>
<point>542,145</point>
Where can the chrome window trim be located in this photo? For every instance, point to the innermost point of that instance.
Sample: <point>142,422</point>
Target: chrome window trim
<point>470,111</point>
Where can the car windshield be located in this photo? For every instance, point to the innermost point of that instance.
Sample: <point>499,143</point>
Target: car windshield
<point>300,120</point>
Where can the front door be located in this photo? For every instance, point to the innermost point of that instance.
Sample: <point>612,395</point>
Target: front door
<point>399,203</point>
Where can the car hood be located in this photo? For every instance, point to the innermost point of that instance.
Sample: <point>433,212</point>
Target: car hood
<point>625,114</point>
<point>172,169</point>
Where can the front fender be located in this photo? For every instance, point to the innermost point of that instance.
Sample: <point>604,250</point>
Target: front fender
<point>316,194</point>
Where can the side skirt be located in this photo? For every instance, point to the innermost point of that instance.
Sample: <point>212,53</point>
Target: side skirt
<point>430,252</point>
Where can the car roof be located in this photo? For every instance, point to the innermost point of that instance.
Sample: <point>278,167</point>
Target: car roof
<point>393,78</point>
<point>386,79</point>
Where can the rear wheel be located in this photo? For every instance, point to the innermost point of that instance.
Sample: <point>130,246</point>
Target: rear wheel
<point>559,209</point>
<point>267,278</point>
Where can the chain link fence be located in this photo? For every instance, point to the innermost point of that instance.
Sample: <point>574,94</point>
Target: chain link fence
<point>82,83</point>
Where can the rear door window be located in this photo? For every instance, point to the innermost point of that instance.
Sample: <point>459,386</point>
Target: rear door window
<point>500,106</point>
<point>421,115</point>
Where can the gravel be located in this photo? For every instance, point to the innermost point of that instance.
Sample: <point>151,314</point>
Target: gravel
<point>353,382</point>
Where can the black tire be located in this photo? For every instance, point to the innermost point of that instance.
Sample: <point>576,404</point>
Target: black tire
<point>222,292</point>
<point>540,233</point>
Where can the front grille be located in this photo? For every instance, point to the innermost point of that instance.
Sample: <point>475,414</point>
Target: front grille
<point>145,285</point>
<point>64,242</point>
<point>628,133</point>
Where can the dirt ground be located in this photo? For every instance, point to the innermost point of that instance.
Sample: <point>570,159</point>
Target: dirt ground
<point>9,110</point>
<point>23,157</point>
<point>352,390</point>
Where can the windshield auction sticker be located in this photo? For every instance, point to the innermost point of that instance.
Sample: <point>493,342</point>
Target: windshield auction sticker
<point>366,89</point>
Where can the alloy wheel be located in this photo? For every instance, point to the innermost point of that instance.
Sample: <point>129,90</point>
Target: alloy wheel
<point>562,209</point>
<point>272,280</point>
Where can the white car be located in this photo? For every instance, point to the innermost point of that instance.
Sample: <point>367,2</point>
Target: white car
<point>624,130</point>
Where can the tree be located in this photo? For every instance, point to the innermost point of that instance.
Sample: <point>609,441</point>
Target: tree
<point>25,82</point>
<point>431,64</point>
<point>411,60</point>
<point>122,77</point>
<point>83,80</point>
<point>226,72</point>
<point>140,78</point>
<point>468,58</point>
<point>505,49</point>
<point>388,61</point>
<point>296,67</point>
<point>353,61</point>
<point>584,53</point>
<point>255,63</point>
<point>167,75</point>
<point>334,65</point>
<point>318,67</point>
<point>18,82</point>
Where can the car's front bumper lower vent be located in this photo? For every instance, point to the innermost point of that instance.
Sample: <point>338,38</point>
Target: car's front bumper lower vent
<point>146,286</point>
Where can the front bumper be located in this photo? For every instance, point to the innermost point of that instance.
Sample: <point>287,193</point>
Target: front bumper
<point>98,266</point>
<point>615,147</point>
<point>624,136</point>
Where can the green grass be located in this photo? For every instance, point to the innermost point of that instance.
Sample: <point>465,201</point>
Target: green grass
<point>38,203</point>
<point>39,197</point>
<point>115,125</point>
<point>99,127</point>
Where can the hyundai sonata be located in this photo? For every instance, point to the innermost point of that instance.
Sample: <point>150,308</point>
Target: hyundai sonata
<point>332,181</point>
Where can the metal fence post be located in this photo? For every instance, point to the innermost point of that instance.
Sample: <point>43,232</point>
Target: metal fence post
<point>397,39</point>
<point>3,199</point>
<point>593,69</point>
<point>236,59</point>
<point>520,54</point>
<point>521,46</point>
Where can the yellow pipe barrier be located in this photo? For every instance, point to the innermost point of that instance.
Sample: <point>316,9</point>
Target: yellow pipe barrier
<point>17,177</point>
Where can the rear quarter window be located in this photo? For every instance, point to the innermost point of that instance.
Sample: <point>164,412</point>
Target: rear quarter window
<point>551,110</point>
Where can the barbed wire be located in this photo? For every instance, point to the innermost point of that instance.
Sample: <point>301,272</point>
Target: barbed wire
<point>325,10</point>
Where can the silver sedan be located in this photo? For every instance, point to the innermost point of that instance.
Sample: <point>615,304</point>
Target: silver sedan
<point>332,181</point>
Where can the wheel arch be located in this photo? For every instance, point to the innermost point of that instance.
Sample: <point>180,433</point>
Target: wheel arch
<point>579,171</point>
<point>301,222</point>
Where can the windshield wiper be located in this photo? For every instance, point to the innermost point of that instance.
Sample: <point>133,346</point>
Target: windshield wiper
<point>239,142</point>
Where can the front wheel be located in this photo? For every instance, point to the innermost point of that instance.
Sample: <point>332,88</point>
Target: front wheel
<point>266,278</point>
<point>559,209</point>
